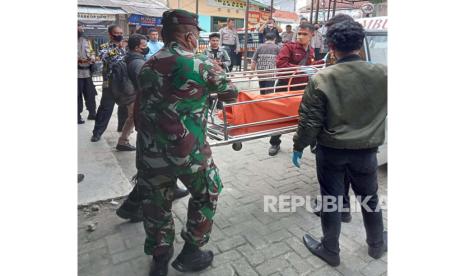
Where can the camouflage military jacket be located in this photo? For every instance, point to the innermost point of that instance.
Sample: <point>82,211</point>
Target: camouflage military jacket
<point>171,110</point>
<point>109,53</point>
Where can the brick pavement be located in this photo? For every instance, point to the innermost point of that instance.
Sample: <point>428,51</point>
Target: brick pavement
<point>245,240</point>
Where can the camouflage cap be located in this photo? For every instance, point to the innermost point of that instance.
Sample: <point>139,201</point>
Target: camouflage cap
<point>182,17</point>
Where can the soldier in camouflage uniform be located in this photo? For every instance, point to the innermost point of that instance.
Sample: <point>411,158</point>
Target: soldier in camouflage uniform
<point>171,117</point>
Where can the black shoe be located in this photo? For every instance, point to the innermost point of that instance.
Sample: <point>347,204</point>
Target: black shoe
<point>273,150</point>
<point>180,193</point>
<point>130,210</point>
<point>160,264</point>
<point>192,259</point>
<point>126,147</point>
<point>95,138</point>
<point>377,252</point>
<point>80,121</point>
<point>80,177</point>
<point>91,117</point>
<point>318,250</point>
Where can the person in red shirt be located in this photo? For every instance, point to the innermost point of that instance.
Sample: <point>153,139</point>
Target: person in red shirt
<point>294,54</point>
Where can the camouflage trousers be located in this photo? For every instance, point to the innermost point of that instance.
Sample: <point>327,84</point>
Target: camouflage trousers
<point>157,193</point>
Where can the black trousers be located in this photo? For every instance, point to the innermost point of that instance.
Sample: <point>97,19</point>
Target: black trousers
<point>235,58</point>
<point>362,169</point>
<point>275,140</point>
<point>87,90</point>
<point>317,53</point>
<point>266,84</point>
<point>104,111</point>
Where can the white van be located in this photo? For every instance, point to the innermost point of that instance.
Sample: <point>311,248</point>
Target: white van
<point>375,51</point>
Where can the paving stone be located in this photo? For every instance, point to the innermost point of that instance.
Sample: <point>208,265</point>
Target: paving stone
<point>375,268</point>
<point>289,271</point>
<point>272,265</point>
<point>255,257</point>
<point>243,268</point>
<point>224,270</point>
<point>127,255</point>
<point>90,246</point>
<point>255,239</point>
<point>299,264</point>
<point>278,236</point>
<point>226,257</point>
<point>298,246</point>
<point>276,249</point>
<point>229,243</point>
<point>115,243</point>
<point>95,267</point>
<point>123,269</point>
<point>245,239</point>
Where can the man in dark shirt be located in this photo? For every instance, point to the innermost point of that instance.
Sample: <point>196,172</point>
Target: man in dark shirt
<point>110,52</point>
<point>271,27</point>
<point>265,58</point>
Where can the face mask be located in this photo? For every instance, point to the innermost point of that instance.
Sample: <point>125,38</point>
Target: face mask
<point>195,44</point>
<point>117,38</point>
<point>145,51</point>
<point>80,33</point>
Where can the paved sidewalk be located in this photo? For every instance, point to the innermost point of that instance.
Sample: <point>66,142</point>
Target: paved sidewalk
<point>246,241</point>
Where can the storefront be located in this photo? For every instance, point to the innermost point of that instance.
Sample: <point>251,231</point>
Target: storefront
<point>143,23</point>
<point>96,20</point>
<point>219,22</point>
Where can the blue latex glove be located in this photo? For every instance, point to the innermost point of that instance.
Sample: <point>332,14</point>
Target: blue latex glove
<point>296,156</point>
<point>310,71</point>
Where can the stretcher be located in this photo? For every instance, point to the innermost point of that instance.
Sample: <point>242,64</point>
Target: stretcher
<point>254,116</point>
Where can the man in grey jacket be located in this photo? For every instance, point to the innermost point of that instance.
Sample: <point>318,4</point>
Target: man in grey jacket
<point>342,118</point>
<point>138,48</point>
<point>217,53</point>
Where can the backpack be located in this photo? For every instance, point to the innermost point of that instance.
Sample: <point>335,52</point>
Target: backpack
<point>121,86</point>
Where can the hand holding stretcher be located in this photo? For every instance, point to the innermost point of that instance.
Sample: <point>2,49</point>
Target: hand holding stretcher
<point>255,116</point>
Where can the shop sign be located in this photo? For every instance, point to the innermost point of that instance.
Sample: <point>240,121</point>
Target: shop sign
<point>96,17</point>
<point>142,20</point>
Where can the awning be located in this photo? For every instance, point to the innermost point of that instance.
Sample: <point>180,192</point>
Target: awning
<point>100,10</point>
<point>149,11</point>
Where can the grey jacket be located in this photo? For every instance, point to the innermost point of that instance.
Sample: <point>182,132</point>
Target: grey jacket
<point>344,106</point>
<point>222,55</point>
<point>134,63</point>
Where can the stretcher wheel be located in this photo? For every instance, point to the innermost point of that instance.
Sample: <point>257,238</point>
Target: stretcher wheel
<point>237,146</point>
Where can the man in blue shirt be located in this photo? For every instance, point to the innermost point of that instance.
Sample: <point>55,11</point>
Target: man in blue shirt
<point>154,44</point>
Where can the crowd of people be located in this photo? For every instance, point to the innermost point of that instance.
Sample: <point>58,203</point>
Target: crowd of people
<point>162,89</point>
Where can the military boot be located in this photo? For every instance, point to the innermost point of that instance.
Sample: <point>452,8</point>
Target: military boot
<point>160,264</point>
<point>192,259</point>
<point>180,192</point>
<point>130,210</point>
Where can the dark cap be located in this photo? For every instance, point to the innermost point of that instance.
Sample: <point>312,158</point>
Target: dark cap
<point>182,17</point>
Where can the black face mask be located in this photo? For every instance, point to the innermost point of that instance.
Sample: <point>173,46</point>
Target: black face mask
<point>80,33</point>
<point>117,38</point>
<point>145,51</point>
